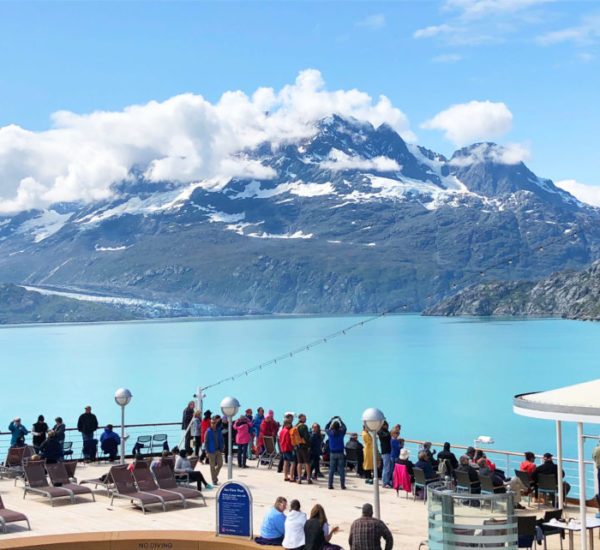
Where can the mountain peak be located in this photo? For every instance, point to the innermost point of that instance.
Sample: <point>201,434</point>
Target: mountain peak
<point>489,152</point>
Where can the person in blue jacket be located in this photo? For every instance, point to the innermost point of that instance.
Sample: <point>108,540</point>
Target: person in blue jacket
<point>258,418</point>
<point>18,433</point>
<point>109,442</point>
<point>272,529</point>
<point>336,431</point>
<point>213,443</point>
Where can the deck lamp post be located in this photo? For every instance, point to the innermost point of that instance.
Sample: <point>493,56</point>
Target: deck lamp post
<point>122,398</point>
<point>229,407</point>
<point>373,420</point>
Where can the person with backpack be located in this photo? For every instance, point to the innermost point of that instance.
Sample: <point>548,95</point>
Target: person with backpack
<point>299,437</point>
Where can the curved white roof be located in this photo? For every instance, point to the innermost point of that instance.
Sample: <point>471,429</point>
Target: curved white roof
<point>577,403</point>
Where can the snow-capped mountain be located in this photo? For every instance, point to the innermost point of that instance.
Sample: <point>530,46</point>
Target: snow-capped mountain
<point>350,219</point>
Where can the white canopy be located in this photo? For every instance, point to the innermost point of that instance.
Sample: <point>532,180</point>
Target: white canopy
<point>578,403</point>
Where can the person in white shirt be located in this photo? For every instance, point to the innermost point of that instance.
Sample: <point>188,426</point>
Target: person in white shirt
<point>294,527</point>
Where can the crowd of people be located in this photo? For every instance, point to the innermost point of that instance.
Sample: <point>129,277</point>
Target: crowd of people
<point>296,531</point>
<point>49,443</point>
<point>302,450</point>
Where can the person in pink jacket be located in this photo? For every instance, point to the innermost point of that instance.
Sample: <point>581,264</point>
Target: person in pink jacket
<point>243,428</point>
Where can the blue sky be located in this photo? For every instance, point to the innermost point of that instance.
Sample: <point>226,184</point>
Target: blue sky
<point>539,58</point>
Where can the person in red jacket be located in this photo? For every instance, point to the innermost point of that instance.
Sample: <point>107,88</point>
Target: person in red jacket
<point>204,425</point>
<point>269,427</point>
<point>528,465</point>
<point>285,444</point>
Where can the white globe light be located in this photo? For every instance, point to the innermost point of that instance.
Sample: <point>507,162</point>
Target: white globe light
<point>373,419</point>
<point>230,406</point>
<point>122,397</point>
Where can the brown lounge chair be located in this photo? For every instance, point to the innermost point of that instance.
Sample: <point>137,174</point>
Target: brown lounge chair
<point>124,488</point>
<point>60,478</point>
<point>71,466</point>
<point>36,482</point>
<point>147,484</point>
<point>15,458</point>
<point>9,516</point>
<point>166,480</point>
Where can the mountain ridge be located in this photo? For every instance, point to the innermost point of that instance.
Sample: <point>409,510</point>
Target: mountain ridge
<point>350,219</point>
<point>567,294</point>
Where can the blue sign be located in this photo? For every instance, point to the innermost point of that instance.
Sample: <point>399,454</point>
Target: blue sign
<point>234,510</point>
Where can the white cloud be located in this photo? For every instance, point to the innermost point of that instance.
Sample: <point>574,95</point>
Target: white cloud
<point>466,122</point>
<point>184,139</point>
<point>512,153</point>
<point>338,161</point>
<point>586,57</point>
<point>373,22</point>
<point>447,58</point>
<point>433,30</point>
<point>585,193</point>
<point>587,32</point>
<point>479,9</point>
<point>473,22</point>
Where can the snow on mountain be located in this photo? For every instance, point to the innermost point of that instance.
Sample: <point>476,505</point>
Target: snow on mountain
<point>42,226</point>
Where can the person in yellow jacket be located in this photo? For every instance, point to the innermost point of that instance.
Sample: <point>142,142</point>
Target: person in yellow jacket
<point>596,457</point>
<point>368,456</point>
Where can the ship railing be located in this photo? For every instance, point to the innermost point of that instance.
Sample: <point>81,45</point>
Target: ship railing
<point>509,461</point>
<point>132,432</point>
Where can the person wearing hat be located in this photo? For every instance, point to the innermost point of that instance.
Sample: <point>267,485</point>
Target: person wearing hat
<point>87,425</point>
<point>18,433</point>
<point>548,468</point>
<point>268,427</point>
<point>404,460</point>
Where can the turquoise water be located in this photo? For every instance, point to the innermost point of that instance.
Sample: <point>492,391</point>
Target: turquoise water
<point>442,379</point>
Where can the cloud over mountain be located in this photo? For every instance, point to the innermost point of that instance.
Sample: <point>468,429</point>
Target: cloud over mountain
<point>589,194</point>
<point>185,138</point>
<point>466,122</point>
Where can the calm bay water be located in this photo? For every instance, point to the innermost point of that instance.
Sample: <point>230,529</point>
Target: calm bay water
<point>442,379</point>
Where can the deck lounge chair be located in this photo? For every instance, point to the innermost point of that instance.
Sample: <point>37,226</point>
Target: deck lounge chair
<point>60,478</point>
<point>143,442</point>
<point>124,487</point>
<point>166,480</point>
<point>71,466</point>
<point>67,448</point>
<point>10,516</point>
<point>159,441</point>
<point>168,461</point>
<point>147,484</point>
<point>269,452</point>
<point>104,481</point>
<point>15,459</point>
<point>36,482</point>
